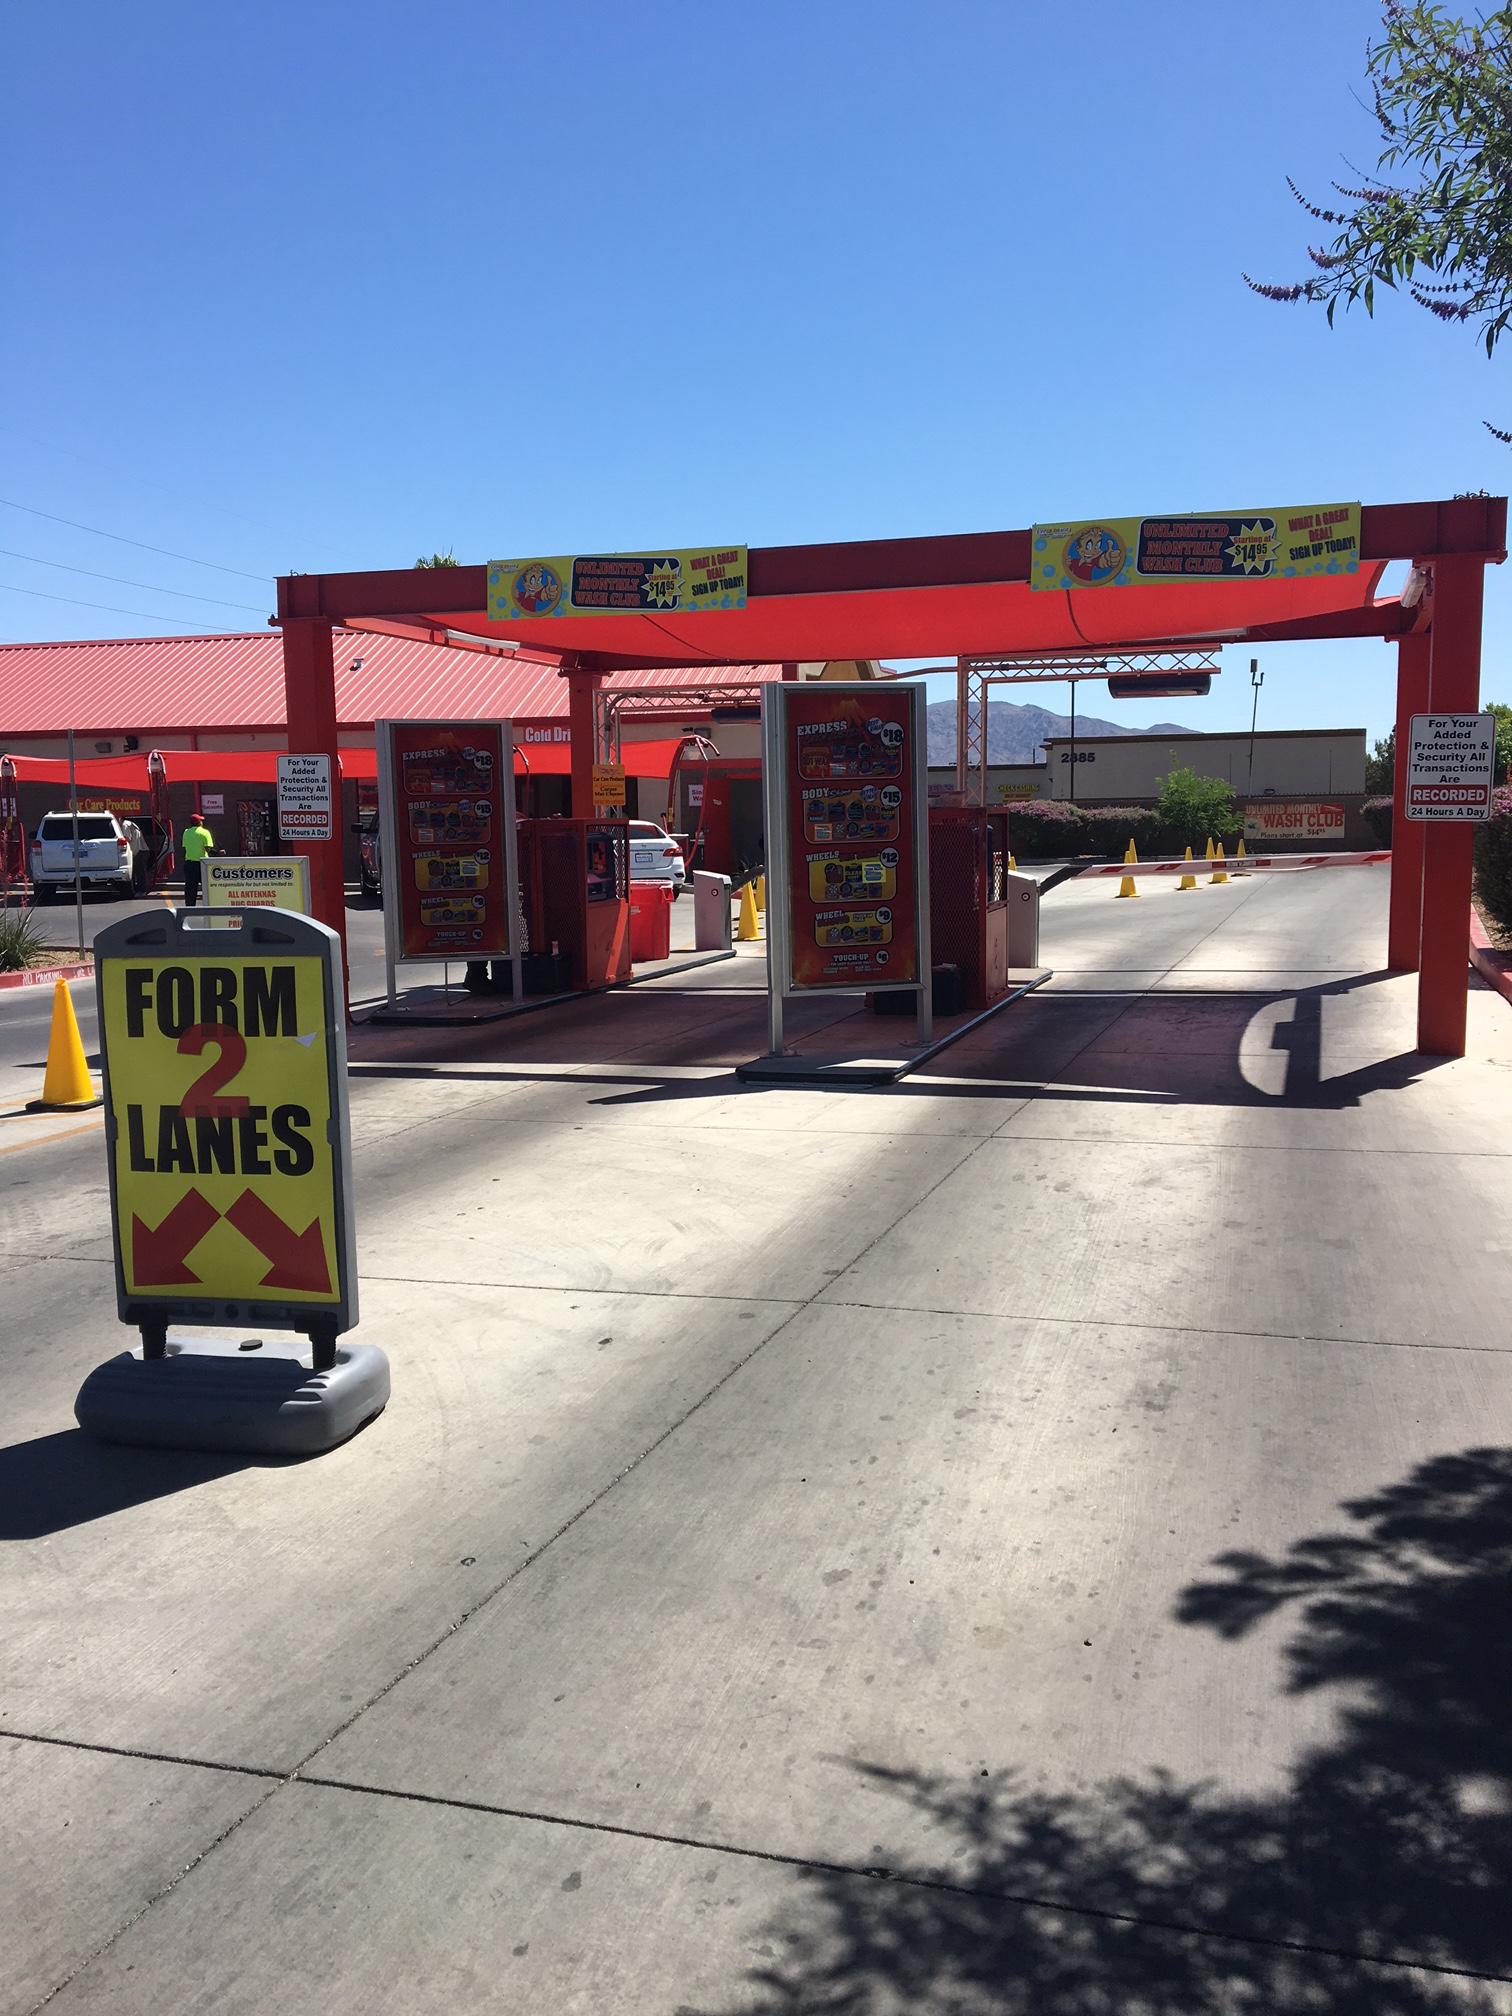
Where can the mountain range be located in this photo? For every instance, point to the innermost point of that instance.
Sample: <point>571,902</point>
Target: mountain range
<point>1017,731</point>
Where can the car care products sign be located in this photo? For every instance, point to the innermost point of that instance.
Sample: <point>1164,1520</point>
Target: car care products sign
<point>446,837</point>
<point>852,773</point>
<point>225,1078</point>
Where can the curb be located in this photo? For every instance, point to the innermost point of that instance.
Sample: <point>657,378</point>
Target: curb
<point>44,976</point>
<point>1487,960</point>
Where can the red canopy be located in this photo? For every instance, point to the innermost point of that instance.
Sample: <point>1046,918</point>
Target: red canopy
<point>260,766</point>
<point>971,618</point>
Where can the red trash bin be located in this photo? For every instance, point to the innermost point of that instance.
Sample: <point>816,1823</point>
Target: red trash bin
<point>650,921</point>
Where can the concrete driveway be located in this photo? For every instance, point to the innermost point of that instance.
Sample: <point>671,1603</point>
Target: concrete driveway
<point>1032,1539</point>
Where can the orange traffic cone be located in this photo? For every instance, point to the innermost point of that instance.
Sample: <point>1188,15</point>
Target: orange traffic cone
<point>66,1084</point>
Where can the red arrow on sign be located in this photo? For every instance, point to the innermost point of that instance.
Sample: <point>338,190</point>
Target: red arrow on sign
<point>299,1259</point>
<point>159,1252</point>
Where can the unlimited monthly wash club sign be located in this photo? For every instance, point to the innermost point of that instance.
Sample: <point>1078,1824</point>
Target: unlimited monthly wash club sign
<point>1290,543</point>
<point>220,1088</point>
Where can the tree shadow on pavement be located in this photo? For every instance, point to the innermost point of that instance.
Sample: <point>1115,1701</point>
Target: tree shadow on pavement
<point>1376,1881</point>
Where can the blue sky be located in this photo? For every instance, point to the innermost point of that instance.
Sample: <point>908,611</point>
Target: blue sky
<point>326,285</point>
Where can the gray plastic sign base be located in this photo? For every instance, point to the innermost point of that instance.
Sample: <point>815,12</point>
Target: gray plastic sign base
<point>253,1396</point>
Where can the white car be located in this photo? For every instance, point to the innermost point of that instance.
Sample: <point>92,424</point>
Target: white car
<point>655,856</point>
<point>112,855</point>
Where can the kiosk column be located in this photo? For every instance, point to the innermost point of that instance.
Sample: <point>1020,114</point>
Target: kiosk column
<point>1449,848</point>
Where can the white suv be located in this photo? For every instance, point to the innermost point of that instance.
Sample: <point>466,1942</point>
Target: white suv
<point>112,855</point>
<point>655,856</point>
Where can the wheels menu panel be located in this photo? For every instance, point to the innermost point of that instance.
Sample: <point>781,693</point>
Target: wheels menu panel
<point>853,883</point>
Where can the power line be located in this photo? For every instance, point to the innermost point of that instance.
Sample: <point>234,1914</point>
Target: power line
<point>178,594</point>
<point>167,622</point>
<point>166,552</point>
<point>176,492</point>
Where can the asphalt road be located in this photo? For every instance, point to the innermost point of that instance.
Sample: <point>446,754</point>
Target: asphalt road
<point>1073,1481</point>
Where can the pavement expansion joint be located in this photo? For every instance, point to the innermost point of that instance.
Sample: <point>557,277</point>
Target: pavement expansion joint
<point>1256,1147</point>
<point>911,1879</point>
<point>142,1756</point>
<point>1171,1329</point>
<point>793,1302</point>
<point>278,1781</point>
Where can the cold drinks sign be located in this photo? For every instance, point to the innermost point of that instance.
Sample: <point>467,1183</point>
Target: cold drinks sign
<point>1450,762</point>
<point>853,867</point>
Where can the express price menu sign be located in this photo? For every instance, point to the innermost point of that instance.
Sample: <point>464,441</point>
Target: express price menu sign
<point>449,789</point>
<point>853,876</point>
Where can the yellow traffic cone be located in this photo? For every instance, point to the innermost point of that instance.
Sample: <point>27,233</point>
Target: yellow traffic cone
<point>1208,851</point>
<point>1220,870</point>
<point>1240,859</point>
<point>66,1084</point>
<point>761,894</point>
<point>1126,886</point>
<point>747,928</point>
<point>1012,864</point>
<point>1188,881</point>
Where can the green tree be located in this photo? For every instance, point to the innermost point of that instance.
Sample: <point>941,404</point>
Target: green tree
<point>1503,715</point>
<point>1435,218</point>
<point>1380,766</point>
<point>1196,809</point>
<point>447,559</point>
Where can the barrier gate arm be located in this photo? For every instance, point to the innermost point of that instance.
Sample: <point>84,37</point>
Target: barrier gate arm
<point>1285,863</point>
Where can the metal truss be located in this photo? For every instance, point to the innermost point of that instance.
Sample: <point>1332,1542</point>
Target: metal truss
<point>975,675</point>
<point>649,703</point>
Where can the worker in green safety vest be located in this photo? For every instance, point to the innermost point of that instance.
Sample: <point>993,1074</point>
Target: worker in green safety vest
<point>197,844</point>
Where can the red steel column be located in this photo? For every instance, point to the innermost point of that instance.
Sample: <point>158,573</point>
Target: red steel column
<point>310,700</point>
<point>1449,849</point>
<point>580,690</point>
<point>1407,835</point>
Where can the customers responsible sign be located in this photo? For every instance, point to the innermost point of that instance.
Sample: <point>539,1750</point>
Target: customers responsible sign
<point>446,838</point>
<point>1451,760</point>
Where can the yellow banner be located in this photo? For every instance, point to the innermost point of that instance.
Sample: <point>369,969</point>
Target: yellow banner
<point>220,1096</point>
<point>1289,544</point>
<point>617,584</point>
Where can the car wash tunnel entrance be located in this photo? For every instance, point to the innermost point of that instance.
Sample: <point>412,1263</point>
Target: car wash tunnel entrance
<point>1134,599</point>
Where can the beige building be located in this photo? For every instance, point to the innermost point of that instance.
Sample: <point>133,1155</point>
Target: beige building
<point>1126,769</point>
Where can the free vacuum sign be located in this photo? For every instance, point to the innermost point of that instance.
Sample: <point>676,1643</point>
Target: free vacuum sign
<point>1451,760</point>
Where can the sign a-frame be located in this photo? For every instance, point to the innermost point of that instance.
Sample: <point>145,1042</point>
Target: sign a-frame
<point>224,1053</point>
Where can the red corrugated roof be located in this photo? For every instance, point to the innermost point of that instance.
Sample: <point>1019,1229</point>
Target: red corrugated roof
<point>183,685</point>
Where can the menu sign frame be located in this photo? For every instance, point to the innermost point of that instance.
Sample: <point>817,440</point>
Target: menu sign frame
<point>847,838</point>
<point>448,841</point>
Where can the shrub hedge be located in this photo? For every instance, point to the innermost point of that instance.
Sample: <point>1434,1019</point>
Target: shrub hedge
<point>1377,812</point>
<point>1493,858</point>
<point>1043,829</point>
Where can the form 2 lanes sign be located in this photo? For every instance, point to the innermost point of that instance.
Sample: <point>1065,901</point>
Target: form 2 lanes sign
<point>226,1118</point>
